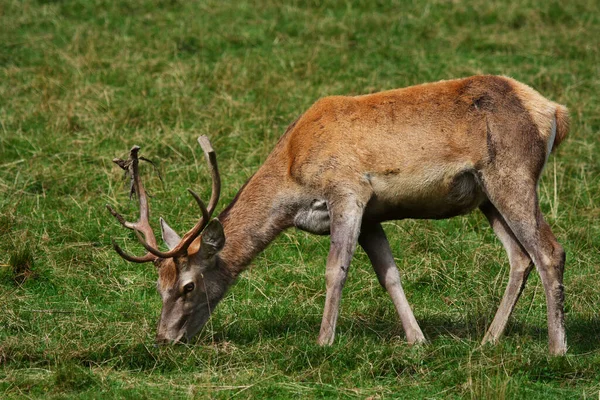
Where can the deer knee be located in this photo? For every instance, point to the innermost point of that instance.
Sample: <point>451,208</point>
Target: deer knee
<point>335,277</point>
<point>388,278</point>
<point>392,278</point>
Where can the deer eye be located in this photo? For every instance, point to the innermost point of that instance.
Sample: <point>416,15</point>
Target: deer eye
<point>188,287</point>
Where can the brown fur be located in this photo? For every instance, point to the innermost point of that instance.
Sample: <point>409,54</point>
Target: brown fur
<point>167,273</point>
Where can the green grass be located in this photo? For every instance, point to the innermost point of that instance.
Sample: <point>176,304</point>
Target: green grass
<point>81,81</point>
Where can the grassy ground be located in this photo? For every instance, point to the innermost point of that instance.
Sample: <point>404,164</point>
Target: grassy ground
<point>81,81</point>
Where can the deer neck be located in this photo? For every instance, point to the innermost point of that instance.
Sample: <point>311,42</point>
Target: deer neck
<point>258,213</point>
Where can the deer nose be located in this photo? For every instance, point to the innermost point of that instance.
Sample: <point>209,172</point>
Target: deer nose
<point>161,339</point>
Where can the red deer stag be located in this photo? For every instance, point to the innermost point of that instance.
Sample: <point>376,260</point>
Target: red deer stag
<point>348,163</point>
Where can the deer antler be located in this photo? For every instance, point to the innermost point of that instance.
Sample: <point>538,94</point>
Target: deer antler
<point>142,226</point>
<point>211,158</point>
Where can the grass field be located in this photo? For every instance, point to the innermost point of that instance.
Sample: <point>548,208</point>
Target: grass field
<point>81,81</point>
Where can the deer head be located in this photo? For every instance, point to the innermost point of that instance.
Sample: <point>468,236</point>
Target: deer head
<point>190,281</point>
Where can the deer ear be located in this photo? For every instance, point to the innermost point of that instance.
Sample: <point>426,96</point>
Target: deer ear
<point>213,239</point>
<point>170,237</point>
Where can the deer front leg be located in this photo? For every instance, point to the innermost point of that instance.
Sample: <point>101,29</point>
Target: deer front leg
<point>346,219</point>
<point>520,267</point>
<point>374,242</point>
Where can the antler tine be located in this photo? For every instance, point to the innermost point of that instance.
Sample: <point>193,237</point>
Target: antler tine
<point>146,258</point>
<point>187,239</point>
<point>211,158</point>
<point>205,212</point>
<point>142,224</point>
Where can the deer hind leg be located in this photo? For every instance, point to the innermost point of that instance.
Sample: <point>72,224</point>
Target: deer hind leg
<point>375,243</point>
<point>516,200</point>
<point>520,267</point>
<point>346,216</point>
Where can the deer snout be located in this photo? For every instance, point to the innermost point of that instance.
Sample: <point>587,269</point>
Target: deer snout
<point>163,339</point>
<point>170,335</point>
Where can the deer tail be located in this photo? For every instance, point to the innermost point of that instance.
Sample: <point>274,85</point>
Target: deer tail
<point>561,125</point>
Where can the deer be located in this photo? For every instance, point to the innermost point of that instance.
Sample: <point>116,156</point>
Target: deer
<point>349,163</point>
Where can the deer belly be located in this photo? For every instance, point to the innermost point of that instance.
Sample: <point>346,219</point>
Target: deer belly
<point>431,194</point>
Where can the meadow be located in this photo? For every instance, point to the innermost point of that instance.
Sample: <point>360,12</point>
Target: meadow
<point>81,81</point>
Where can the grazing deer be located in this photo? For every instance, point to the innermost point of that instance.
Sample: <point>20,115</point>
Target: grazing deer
<point>348,163</point>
